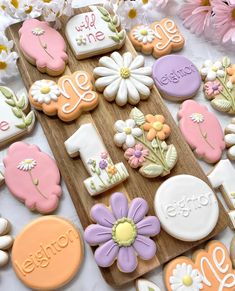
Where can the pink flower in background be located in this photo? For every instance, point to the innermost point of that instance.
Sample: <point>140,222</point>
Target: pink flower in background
<point>162,3</point>
<point>224,19</point>
<point>196,15</point>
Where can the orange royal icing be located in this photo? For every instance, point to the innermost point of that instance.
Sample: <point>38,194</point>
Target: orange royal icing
<point>210,269</point>
<point>47,253</point>
<point>68,99</point>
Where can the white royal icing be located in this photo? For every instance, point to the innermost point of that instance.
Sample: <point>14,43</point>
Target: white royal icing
<point>183,203</point>
<point>104,174</point>
<point>231,215</point>
<point>146,285</point>
<point>123,78</point>
<point>89,34</point>
<point>223,176</point>
<point>6,241</point>
<point>229,139</point>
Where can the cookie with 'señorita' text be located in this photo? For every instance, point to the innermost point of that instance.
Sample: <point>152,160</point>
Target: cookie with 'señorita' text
<point>43,47</point>
<point>202,131</point>
<point>95,32</point>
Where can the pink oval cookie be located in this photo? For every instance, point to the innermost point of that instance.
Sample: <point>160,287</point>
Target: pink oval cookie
<point>33,177</point>
<point>202,131</point>
<point>43,47</point>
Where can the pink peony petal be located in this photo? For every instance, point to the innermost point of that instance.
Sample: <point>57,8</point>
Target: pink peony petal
<point>127,261</point>
<point>101,214</point>
<point>106,254</point>
<point>119,205</point>
<point>145,247</point>
<point>138,209</point>
<point>149,226</point>
<point>96,234</point>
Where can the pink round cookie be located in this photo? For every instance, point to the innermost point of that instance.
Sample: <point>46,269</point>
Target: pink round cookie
<point>33,177</point>
<point>202,131</point>
<point>43,47</point>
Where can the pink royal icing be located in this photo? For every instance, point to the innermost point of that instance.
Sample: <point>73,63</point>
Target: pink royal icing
<point>202,131</point>
<point>33,177</point>
<point>43,44</point>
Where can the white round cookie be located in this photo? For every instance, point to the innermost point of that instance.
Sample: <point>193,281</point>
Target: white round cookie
<point>186,207</point>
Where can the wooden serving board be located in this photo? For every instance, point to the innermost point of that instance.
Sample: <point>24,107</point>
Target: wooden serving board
<point>74,172</point>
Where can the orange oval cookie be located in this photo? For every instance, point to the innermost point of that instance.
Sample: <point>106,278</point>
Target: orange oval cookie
<point>47,253</point>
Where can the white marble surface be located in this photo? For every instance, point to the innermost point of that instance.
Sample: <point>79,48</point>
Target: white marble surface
<point>89,278</point>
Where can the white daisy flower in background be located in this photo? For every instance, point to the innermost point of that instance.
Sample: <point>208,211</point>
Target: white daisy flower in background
<point>197,117</point>
<point>123,78</point>
<point>144,34</point>
<point>5,44</point>
<point>27,165</point>
<point>45,91</point>
<point>8,67</point>
<point>185,278</point>
<point>126,133</point>
<point>27,9</point>
<point>210,71</point>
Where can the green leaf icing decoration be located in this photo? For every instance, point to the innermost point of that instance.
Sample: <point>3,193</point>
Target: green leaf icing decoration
<point>221,104</point>
<point>113,24</point>
<point>138,116</point>
<point>150,289</point>
<point>152,170</point>
<point>226,62</point>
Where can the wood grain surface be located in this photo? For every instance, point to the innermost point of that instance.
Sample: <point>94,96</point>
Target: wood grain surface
<point>74,172</point>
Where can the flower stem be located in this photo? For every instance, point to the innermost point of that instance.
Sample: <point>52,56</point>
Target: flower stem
<point>204,137</point>
<point>36,185</point>
<point>43,47</point>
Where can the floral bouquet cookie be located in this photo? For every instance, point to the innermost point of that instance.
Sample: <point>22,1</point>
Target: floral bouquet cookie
<point>122,232</point>
<point>143,139</point>
<point>219,80</point>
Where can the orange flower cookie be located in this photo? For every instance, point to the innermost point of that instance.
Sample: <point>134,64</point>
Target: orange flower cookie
<point>143,139</point>
<point>68,99</point>
<point>47,253</point>
<point>158,38</point>
<point>210,270</point>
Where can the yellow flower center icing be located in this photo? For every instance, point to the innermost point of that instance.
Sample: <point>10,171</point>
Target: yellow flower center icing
<point>187,280</point>
<point>29,10</point>
<point>233,14</point>
<point>3,48</point>
<point>45,90</point>
<point>144,32</point>
<point>205,3</point>
<point>15,3</point>
<point>132,13</point>
<point>46,1</point>
<point>145,1</point>
<point>28,161</point>
<point>157,125</point>
<point>214,69</point>
<point>3,65</point>
<point>125,73</point>
<point>127,130</point>
<point>124,232</point>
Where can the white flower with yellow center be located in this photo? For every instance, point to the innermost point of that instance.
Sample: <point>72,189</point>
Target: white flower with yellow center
<point>8,66</point>
<point>185,278</point>
<point>123,78</point>
<point>5,44</point>
<point>144,34</point>
<point>210,71</point>
<point>27,165</point>
<point>197,117</point>
<point>38,31</point>
<point>45,91</point>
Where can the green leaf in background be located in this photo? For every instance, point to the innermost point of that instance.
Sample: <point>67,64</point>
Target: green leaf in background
<point>29,118</point>
<point>121,34</point>
<point>115,38</point>
<point>17,112</point>
<point>103,11</point>
<point>112,27</point>
<point>21,126</point>
<point>115,20</point>
<point>226,62</point>
<point>10,102</point>
<point>105,18</point>
<point>138,116</point>
<point>21,102</point>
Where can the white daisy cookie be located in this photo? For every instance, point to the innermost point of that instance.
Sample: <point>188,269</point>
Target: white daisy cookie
<point>229,139</point>
<point>45,91</point>
<point>6,241</point>
<point>144,34</point>
<point>123,78</point>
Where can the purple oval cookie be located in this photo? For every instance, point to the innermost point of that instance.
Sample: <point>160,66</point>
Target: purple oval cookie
<point>176,77</point>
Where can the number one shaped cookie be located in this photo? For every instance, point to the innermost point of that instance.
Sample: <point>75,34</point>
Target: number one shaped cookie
<point>104,174</point>
<point>223,178</point>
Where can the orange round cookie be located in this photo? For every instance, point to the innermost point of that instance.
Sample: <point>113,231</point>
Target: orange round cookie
<point>47,253</point>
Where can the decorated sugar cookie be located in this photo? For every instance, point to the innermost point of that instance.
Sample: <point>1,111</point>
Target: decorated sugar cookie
<point>47,253</point>
<point>146,285</point>
<point>209,270</point>
<point>122,232</point>
<point>123,78</point>
<point>183,203</point>
<point>6,241</point>
<point>68,99</point>
<point>159,38</point>
<point>87,142</point>
<point>33,177</point>
<point>95,32</point>
<point>229,139</point>
<point>222,177</point>
<point>176,77</point>
<point>15,118</point>
<point>202,131</point>
<point>219,85</point>
<point>43,47</point>
<point>143,140</point>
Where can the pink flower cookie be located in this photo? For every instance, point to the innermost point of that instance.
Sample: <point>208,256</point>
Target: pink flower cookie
<point>43,47</point>
<point>202,131</point>
<point>33,177</point>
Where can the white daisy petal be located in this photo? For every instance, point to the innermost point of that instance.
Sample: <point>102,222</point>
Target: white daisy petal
<point>137,63</point>
<point>118,59</point>
<point>101,83</point>
<point>134,96</point>
<point>120,125</point>
<point>130,141</point>
<point>121,98</point>
<point>120,139</point>
<point>137,132</point>
<point>111,90</point>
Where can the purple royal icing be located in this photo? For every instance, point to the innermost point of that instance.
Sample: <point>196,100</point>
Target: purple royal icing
<point>176,76</point>
<point>101,232</point>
